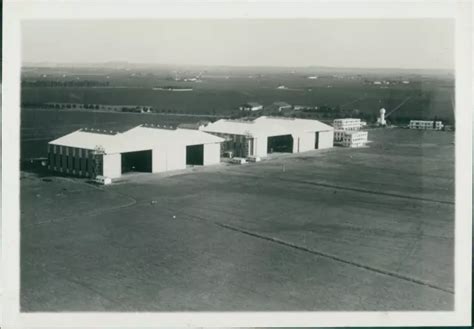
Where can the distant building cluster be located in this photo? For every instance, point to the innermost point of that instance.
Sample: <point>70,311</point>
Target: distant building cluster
<point>387,82</point>
<point>426,125</point>
<point>279,106</point>
<point>305,108</point>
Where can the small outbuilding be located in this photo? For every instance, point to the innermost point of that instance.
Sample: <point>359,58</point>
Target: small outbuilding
<point>250,107</point>
<point>145,148</point>
<point>280,106</point>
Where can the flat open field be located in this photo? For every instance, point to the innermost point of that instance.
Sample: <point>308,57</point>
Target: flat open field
<point>339,229</point>
<point>223,90</point>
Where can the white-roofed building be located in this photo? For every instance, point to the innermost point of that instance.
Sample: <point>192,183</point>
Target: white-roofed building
<point>251,106</point>
<point>145,148</point>
<point>257,138</point>
<point>280,106</point>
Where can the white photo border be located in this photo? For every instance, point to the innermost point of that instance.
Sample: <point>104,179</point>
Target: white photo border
<point>15,11</point>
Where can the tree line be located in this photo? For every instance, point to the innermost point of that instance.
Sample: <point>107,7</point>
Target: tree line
<point>62,83</point>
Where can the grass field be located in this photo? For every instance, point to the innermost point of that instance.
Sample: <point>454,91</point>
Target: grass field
<point>339,229</point>
<point>223,91</point>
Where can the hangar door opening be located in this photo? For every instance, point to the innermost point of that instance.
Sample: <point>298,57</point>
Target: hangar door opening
<point>195,155</point>
<point>316,140</point>
<point>282,143</point>
<point>136,161</point>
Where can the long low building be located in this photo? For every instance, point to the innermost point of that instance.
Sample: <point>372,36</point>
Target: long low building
<point>145,148</point>
<point>258,137</point>
<point>426,125</point>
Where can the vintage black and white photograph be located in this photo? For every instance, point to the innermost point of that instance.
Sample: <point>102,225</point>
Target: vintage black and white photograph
<point>237,165</point>
<point>186,165</point>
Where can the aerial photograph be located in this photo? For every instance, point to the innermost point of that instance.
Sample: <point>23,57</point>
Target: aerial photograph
<point>237,165</point>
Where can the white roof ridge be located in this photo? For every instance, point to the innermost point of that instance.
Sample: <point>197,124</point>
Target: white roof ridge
<point>136,138</point>
<point>264,125</point>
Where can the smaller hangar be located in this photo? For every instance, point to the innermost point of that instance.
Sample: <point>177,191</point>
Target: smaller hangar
<point>264,135</point>
<point>145,148</point>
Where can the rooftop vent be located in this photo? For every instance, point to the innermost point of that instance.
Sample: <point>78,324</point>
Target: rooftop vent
<point>157,126</point>
<point>99,131</point>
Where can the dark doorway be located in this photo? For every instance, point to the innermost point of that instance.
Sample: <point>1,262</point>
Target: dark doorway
<point>283,144</point>
<point>316,141</point>
<point>136,161</point>
<point>195,155</point>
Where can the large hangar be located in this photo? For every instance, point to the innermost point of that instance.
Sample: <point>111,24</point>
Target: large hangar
<point>145,148</point>
<point>264,135</point>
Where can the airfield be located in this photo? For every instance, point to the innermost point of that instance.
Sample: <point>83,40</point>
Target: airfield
<point>366,229</point>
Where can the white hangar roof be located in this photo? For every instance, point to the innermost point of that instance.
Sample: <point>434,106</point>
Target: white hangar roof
<point>86,139</point>
<point>163,137</point>
<point>266,126</point>
<point>140,138</point>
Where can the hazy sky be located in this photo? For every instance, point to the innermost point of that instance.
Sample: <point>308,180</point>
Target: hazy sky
<point>417,43</point>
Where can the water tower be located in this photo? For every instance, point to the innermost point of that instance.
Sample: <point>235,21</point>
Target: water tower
<point>381,119</point>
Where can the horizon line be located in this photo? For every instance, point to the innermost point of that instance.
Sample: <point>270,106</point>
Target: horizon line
<point>30,63</point>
